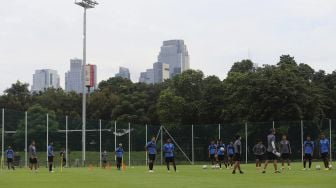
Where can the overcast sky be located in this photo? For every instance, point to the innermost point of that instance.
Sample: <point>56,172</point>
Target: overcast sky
<point>40,34</point>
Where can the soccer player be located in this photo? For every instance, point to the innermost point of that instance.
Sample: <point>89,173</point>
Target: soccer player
<point>324,151</point>
<point>212,150</point>
<point>63,157</point>
<point>259,150</point>
<point>168,149</point>
<point>237,155</point>
<point>230,153</point>
<point>221,154</point>
<point>286,151</point>
<point>271,152</point>
<point>119,154</point>
<point>10,157</point>
<point>104,159</point>
<point>32,156</point>
<point>151,149</point>
<point>50,156</point>
<point>308,148</point>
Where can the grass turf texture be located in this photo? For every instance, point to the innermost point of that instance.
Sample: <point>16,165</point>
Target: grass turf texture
<point>187,176</point>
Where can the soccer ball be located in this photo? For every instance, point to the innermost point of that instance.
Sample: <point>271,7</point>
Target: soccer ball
<point>222,149</point>
<point>205,167</point>
<point>318,167</point>
<point>330,166</point>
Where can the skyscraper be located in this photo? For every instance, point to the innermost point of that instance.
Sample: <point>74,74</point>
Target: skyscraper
<point>124,73</point>
<point>45,78</point>
<point>73,78</point>
<point>161,72</point>
<point>147,77</point>
<point>175,54</point>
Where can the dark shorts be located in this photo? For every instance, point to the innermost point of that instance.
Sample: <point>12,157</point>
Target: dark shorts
<point>220,157</point>
<point>259,157</point>
<point>33,160</point>
<point>170,159</point>
<point>285,156</point>
<point>231,156</point>
<point>119,160</point>
<point>308,156</point>
<point>9,160</point>
<point>50,159</point>
<point>212,156</point>
<point>104,161</point>
<point>151,157</point>
<point>237,157</point>
<point>324,155</point>
<point>271,156</point>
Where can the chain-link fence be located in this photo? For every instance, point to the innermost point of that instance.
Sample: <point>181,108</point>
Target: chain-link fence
<point>191,141</point>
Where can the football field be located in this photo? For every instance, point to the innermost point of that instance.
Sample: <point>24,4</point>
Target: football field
<point>187,176</point>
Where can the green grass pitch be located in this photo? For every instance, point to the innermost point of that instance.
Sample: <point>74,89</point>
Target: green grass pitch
<point>187,176</point>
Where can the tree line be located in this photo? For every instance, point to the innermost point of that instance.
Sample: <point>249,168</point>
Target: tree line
<point>285,91</point>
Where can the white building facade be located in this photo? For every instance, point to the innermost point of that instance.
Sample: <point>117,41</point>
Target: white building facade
<point>45,78</point>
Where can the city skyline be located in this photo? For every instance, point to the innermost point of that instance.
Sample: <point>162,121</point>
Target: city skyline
<point>126,33</point>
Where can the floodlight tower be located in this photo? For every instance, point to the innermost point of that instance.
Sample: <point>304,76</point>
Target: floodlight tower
<point>86,4</point>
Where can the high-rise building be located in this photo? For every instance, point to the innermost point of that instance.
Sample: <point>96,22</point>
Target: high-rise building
<point>45,78</point>
<point>124,73</point>
<point>147,77</point>
<point>175,54</point>
<point>161,72</point>
<point>73,78</point>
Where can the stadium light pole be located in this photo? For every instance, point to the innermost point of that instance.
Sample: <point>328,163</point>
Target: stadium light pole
<point>86,4</point>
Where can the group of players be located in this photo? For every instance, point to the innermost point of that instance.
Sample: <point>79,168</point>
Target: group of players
<point>230,155</point>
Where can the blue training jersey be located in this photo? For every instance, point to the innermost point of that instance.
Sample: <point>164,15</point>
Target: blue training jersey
<point>219,151</point>
<point>308,147</point>
<point>230,149</point>
<point>212,149</point>
<point>50,151</point>
<point>324,146</point>
<point>168,150</point>
<point>151,147</point>
<point>9,153</point>
<point>119,152</point>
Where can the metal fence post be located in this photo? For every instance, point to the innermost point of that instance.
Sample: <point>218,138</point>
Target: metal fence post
<point>66,142</point>
<point>146,144</point>
<point>47,137</point>
<point>3,139</point>
<point>161,145</point>
<point>129,144</point>
<point>246,143</point>
<point>192,145</point>
<point>302,140</point>
<point>219,131</point>
<point>100,144</point>
<point>330,138</point>
<point>26,139</point>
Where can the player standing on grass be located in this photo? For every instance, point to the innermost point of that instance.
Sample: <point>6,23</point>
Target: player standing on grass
<point>286,151</point>
<point>10,157</point>
<point>119,154</point>
<point>272,153</point>
<point>237,156</point>
<point>230,154</point>
<point>259,150</point>
<point>151,149</point>
<point>221,154</point>
<point>212,150</point>
<point>104,159</point>
<point>324,151</point>
<point>308,148</point>
<point>63,157</point>
<point>32,156</point>
<point>50,156</point>
<point>169,154</point>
